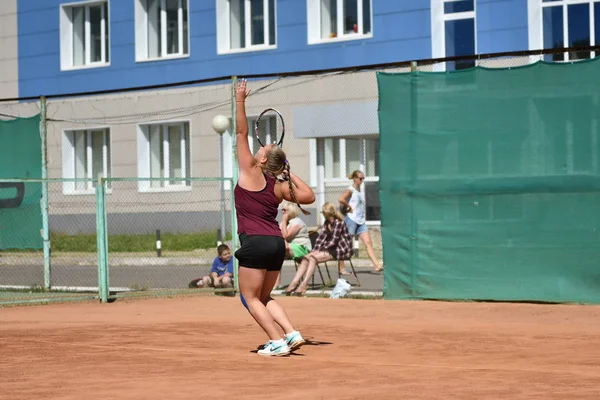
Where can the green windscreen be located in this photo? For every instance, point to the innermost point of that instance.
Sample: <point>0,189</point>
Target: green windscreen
<point>489,182</point>
<point>20,158</point>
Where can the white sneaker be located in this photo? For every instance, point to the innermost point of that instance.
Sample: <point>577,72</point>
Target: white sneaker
<point>275,348</point>
<point>294,340</point>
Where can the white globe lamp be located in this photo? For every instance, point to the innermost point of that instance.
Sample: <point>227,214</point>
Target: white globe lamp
<point>220,124</point>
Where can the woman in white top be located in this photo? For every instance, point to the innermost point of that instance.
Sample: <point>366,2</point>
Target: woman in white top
<point>353,201</point>
<point>295,233</point>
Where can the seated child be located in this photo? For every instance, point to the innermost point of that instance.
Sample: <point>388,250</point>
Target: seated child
<point>221,273</point>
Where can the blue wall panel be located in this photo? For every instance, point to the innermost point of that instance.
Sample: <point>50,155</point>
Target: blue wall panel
<point>401,32</point>
<point>501,26</point>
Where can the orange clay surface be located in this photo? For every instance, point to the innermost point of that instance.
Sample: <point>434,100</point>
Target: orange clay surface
<point>202,348</point>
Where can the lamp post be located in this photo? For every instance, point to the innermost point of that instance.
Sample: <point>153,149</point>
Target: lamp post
<point>220,124</point>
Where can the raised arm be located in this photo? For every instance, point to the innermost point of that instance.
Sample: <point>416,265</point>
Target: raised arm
<point>303,194</point>
<point>290,231</point>
<point>245,157</point>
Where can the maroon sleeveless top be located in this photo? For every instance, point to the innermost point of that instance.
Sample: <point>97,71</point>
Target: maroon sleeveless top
<point>257,211</point>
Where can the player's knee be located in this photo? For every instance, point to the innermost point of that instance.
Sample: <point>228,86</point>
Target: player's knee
<point>206,281</point>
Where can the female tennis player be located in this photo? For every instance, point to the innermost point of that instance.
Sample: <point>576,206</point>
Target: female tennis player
<point>258,194</point>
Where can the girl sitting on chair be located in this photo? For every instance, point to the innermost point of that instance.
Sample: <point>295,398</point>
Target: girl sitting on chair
<point>295,233</point>
<point>334,242</point>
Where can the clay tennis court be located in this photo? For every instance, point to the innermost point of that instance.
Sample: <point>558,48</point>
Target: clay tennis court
<point>186,348</point>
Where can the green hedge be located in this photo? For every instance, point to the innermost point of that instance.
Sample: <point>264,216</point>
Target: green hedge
<point>136,243</point>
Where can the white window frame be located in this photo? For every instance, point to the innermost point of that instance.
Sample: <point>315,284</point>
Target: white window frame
<point>438,28</point>
<point>312,154</point>
<point>66,35</point>
<point>143,146</point>
<point>342,151</point>
<point>313,11</point>
<point>223,28</point>
<point>342,181</point>
<point>141,32</point>
<point>535,10</point>
<point>68,159</point>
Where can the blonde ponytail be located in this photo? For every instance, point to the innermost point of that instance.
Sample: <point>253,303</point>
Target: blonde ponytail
<point>354,174</point>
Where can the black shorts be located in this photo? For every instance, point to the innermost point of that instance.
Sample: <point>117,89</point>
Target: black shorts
<point>261,252</point>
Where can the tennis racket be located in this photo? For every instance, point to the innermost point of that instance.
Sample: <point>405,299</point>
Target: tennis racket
<point>269,127</point>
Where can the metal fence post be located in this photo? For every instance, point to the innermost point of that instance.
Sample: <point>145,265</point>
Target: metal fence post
<point>223,230</point>
<point>234,179</point>
<point>101,238</point>
<point>413,175</point>
<point>44,199</point>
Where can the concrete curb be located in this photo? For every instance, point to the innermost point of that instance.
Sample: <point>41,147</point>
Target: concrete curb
<point>142,261</point>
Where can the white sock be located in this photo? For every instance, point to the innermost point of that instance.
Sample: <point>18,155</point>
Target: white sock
<point>291,334</point>
<point>278,341</point>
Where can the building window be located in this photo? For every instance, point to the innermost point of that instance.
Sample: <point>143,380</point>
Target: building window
<point>569,23</point>
<point>164,152</point>
<point>86,154</point>
<point>84,31</point>
<point>332,158</point>
<point>453,31</point>
<point>371,161</point>
<point>246,25</point>
<point>343,156</point>
<point>162,29</point>
<point>331,20</point>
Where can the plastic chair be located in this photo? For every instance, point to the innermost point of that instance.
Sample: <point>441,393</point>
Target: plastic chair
<point>313,235</point>
<point>351,266</point>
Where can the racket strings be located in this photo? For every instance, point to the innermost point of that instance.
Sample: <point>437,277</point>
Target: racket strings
<point>269,127</point>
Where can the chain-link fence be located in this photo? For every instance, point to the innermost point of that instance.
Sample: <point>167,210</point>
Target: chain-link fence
<point>69,269</point>
<point>162,139</point>
<point>162,234</point>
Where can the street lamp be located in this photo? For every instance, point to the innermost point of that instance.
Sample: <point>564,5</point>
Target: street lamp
<point>220,124</point>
